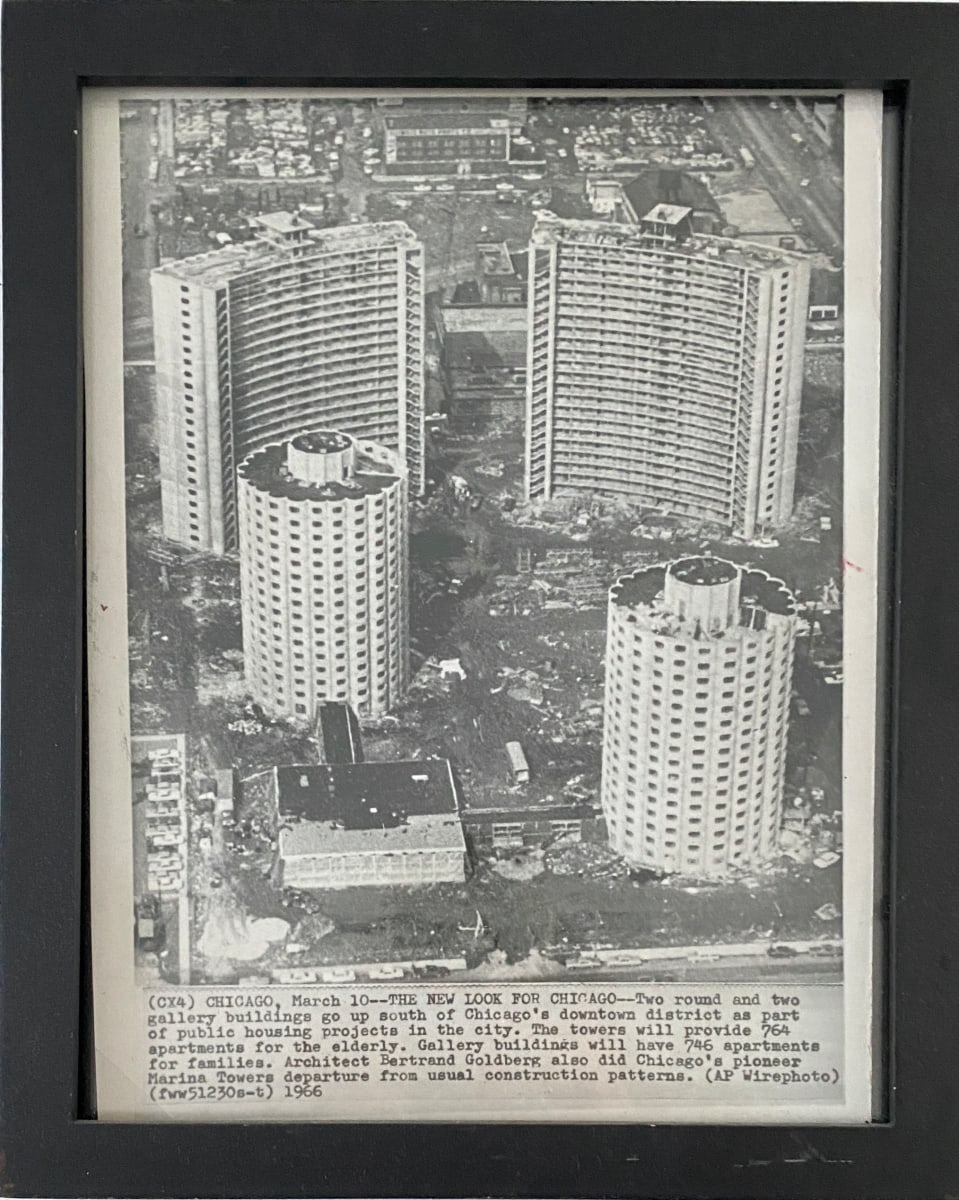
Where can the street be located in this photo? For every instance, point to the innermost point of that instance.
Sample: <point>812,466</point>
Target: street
<point>768,133</point>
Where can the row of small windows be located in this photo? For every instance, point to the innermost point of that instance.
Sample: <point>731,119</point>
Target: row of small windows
<point>189,433</point>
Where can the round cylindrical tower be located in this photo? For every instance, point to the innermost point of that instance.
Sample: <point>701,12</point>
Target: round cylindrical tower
<point>699,660</point>
<point>323,526</point>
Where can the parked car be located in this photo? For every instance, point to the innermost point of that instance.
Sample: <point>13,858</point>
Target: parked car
<point>339,975</point>
<point>294,975</point>
<point>430,971</point>
<point>386,971</point>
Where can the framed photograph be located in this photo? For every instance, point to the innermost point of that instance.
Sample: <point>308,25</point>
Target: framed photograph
<point>482,675</point>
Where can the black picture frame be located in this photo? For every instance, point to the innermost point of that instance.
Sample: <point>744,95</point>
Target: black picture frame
<point>54,47</point>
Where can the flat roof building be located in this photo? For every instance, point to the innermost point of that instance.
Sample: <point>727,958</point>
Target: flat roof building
<point>369,824</point>
<point>699,661</point>
<point>629,201</point>
<point>443,138</point>
<point>324,575</point>
<point>482,352</point>
<point>260,340</point>
<point>501,273</point>
<point>532,825</point>
<point>665,366</point>
<point>339,737</point>
<point>434,111</point>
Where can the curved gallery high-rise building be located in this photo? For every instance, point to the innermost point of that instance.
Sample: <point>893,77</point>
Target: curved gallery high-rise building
<point>699,661</point>
<point>299,328</point>
<point>665,367</point>
<point>324,574</point>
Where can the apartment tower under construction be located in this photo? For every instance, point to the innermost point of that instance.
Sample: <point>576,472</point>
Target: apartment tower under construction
<point>301,327</point>
<point>665,367</point>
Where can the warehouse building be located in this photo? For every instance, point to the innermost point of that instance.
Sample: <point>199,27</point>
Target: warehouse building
<point>300,328</point>
<point>665,367</point>
<point>450,135</point>
<point>368,824</point>
<point>482,352</point>
<point>533,825</point>
<point>699,662</point>
<point>481,338</point>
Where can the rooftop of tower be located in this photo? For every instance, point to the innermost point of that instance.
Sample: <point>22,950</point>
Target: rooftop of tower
<point>285,222</point>
<point>373,468</point>
<point>552,230</point>
<point>227,262</point>
<point>704,570</point>
<point>323,441</point>
<point>642,593</point>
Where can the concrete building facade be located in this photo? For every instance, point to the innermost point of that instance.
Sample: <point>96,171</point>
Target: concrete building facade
<point>257,341</point>
<point>324,575</point>
<point>441,140</point>
<point>699,661</point>
<point>665,366</point>
<point>450,135</point>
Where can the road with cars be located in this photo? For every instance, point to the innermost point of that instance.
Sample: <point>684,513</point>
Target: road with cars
<point>802,182</point>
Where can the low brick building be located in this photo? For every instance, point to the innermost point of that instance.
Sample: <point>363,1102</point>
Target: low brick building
<point>513,828</point>
<point>368,824</point>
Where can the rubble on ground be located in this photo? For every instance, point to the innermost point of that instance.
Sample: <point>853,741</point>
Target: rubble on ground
<point>534,966</point>
<point>312,928</point>
<point>585,858</point>
<point>229,934</point>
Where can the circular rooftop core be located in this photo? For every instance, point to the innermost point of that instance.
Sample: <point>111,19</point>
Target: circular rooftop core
<point>321,442</point>
<point>703,571</point>
<point>321,456</point>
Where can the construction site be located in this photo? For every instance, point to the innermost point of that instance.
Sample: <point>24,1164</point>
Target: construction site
<point>508,617</point>
<point>508,636</point>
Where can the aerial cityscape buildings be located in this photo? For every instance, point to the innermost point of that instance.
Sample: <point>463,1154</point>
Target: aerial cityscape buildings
<point>259,340</point>
<point>324,575</point>
<point>665,367</point>
<point>699,662</point>
<point>425,378</point>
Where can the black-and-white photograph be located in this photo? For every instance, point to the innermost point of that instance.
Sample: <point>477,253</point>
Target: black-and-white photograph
<point>484,513</point>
